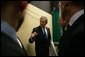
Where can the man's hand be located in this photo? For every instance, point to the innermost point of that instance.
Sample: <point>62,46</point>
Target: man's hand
<point>33,34</point>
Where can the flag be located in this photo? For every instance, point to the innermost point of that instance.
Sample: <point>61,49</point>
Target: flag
<point>56,26</point>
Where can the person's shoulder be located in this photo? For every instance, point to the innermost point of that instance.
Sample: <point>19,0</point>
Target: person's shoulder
<point>47,27</point>
<point>4,35</point>
<point>36,27</point>
<point>81,19</point>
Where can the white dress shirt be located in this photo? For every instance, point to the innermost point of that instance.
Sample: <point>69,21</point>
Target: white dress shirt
<point>45,31</point>
<point>19,43</point>
<point>75,17</point>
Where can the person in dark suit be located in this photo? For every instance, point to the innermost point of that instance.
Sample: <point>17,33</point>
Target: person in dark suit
<point>11,12</point>
<point>72,41</point>
<point>41,36</point>
<point>63,23</point>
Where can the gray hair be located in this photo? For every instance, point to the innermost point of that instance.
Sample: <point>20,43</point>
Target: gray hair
<point>45,18</point>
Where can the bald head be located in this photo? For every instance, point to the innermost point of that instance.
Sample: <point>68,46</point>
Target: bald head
<point>69,8</point>
<point>43,21</point>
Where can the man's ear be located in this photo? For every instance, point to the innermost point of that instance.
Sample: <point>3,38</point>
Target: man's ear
<point>46,23</point>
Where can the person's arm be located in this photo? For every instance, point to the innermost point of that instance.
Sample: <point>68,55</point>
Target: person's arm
<point>31,40</point>
<point>49,37</point>
<point>33,36</point>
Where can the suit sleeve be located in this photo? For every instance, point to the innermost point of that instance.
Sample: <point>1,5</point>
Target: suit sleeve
<point>49,37</point>
<point>31,40</point>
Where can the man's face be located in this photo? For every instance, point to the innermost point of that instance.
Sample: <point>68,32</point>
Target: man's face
<point>43,22</point>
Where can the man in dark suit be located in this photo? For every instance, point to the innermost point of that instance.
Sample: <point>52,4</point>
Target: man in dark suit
<point>11,11</point>
<point>72,41</point>
<point>41,36</point>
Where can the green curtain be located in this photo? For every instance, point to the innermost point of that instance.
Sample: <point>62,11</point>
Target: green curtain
<point>56,26</point>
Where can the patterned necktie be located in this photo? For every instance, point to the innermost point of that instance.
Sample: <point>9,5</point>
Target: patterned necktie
<point>45,35</point>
